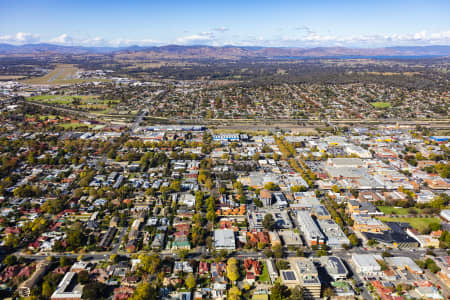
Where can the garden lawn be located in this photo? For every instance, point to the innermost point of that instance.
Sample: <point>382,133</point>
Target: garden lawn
<point>264,277</point>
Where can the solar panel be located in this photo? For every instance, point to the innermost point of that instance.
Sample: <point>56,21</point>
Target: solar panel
<point>289,275</point>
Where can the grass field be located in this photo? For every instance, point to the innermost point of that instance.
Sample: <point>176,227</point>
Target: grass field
<point>396,210</point>
<point>381,104</point>
<point>417,223</point>
<point>87,103</point>
<point>74,125</point>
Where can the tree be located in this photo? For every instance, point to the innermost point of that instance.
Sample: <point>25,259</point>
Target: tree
<point>298,188</point>
<point>145,291</point>
<point>279,292</point>
<point>149,263</point>
<point>211,215</point>
<point>386,254</point>
<point>268,222</point>
<point>297,293</point>
<point>47,289</point>
<point>83,277</point>
<point>278,251</point>
<point>271,186</point>
<point>94,290</point>
<point>190,281</point>
<point>256,156</point>
<point>234,293</point>
<point>10,260</point>
<point>261,245</point>
<point>232,269</point>
<point>114,258</point>
<point>328,292</point>
<point>65,261</point>
<point>175,186</point>
<point>183,253</point>
<point>335,188</point>
<point>353,240</point>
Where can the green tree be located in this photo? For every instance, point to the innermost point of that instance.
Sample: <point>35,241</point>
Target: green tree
<point>190,281</point>
<point>279,292</point>
<point>183,253</point>
<point>297,293</point>
<point>83,277</point>
<point>95,290</point>
<point>234,293</point>
<point>298,188</point>
<point>268,222</point>
<point>175,186</point>
<point>145,291</point>
<point>47,289</point>
<point>278,251</point>
<point>233,269</point>
<point>10,260</point>
<point>271,186</point>
<point>65,261</point>
<point>149,263</point>
<point>353,240</point>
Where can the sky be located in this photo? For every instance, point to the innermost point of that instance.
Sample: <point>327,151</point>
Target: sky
<point>353,23</point>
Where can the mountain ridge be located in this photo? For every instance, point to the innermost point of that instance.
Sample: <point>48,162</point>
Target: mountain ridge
<point>228,51</point>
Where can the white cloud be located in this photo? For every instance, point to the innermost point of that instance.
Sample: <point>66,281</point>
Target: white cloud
<point>202,38</point>
<point>20,38</point>
<point>97,41</point>
<point>422,37</point>
<point>302,36</point>
<point>62,39</point>
<point>221,29</point>
<point>129,42</point>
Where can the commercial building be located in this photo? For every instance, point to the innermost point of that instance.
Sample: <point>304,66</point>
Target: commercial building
<point>345,162</point>
<point>67,289</point>
<point>308,277</point>
<point>224,239</point>
<point>403,262</point>
<point>291,238</point>
<point>305,200</point>
<point>281,218</point>
<point>368,224</point>
<point>334,267</point>
<point>366,265</point>
<point>335,237</point>
<point>311,232</point>
<point>280,200</point>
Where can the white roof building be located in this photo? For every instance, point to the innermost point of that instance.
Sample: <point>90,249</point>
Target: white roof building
<point>366,265</point>
<point>224,239</point>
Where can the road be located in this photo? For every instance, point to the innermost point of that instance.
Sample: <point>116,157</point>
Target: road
<point>138,120</point>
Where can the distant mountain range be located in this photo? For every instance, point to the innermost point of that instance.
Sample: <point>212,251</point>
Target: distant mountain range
<point>225,52</point>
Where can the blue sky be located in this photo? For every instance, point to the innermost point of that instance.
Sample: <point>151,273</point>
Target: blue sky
<point>362,23</point>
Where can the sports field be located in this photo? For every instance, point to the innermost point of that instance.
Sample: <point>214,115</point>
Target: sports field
<point>381,104</point>
<point>416,223</point>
